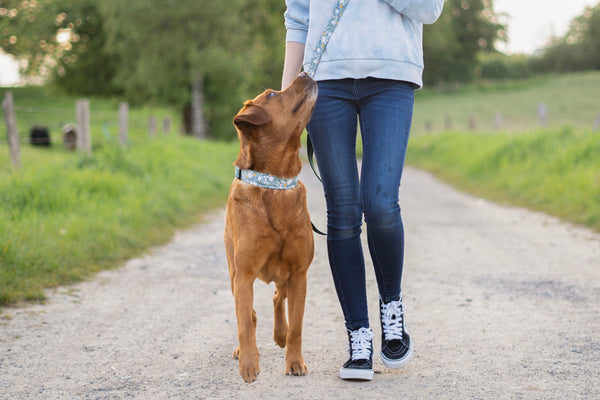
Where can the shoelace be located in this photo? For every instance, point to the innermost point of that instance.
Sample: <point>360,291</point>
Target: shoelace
<point>392,315</point>
<point>361,343</point>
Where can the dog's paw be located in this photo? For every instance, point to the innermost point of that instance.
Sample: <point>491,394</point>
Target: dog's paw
<point>249,370</point>
<point>280,337</point>
<point>236,353</point>
<point>296,367</point>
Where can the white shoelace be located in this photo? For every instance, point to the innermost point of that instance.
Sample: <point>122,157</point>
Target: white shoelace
<point>393,319</point>
<point>361,340</point>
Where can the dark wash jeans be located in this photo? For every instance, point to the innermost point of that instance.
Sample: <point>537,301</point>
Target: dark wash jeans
<point>384,110</point>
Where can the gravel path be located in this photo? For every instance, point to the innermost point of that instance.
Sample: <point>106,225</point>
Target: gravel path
<point>503,303</point>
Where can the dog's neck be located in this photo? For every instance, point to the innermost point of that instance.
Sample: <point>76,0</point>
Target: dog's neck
<point>284,163</point>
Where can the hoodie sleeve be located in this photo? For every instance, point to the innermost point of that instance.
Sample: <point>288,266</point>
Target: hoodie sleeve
<point>296,20</point>
<point>424,11</point>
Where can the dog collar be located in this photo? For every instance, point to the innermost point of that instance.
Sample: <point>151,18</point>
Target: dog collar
<point>265,180</point>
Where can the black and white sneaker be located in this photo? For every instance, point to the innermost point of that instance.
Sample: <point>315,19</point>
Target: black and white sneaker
<point>396,346</point>
<point>360,362</point>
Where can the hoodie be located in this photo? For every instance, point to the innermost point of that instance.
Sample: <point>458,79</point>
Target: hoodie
<point>374,38</point>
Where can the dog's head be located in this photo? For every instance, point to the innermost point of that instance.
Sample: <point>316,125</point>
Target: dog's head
<point>270,125</point>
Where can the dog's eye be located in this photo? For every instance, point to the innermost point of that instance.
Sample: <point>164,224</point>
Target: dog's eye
<point>272,94</point>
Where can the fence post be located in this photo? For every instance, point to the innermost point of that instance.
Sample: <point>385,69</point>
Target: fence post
<point>198,125</point>
<point>447,123</point>
<point>166,125</point>
<point>497,121</point>
<point>11,129</point>
<point>428,125</point>
<point>123,119</point>
<point>84,140</point>
<point>542,114</point>
<point>152,126</point>
<point>472,123</point>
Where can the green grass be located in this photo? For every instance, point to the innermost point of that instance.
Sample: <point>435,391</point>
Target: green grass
<point>570,99</point>
<point>553,170</point>
<point>65,216</point>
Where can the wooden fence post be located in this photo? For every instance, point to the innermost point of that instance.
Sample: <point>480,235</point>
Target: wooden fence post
<point>447,123</point>
<point>123,120</point>
<point>428,125</point>
<point>198,125</point>
<point>166,125</point>
<point>497,121</point>
<point>152,126</point>
<point>84,140</point>
<point>542,114</point>
<point>472,123</point>
<point>11,129</point>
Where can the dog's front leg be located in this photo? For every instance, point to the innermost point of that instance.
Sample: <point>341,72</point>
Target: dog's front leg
<point>246,320</point>
<point>294,363</point>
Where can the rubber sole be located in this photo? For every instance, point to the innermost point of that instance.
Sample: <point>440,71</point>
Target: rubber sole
<point>356,374</point>
<point>399,363</point>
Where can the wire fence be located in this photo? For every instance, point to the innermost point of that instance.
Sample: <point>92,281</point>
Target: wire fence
<point>47,125</point>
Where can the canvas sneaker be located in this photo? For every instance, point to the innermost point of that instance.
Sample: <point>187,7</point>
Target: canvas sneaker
<point>360,350</point>
<point>396,346</point>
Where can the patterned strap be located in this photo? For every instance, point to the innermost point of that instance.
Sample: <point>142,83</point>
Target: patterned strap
<point>333,22</point>
<point>265,180</point>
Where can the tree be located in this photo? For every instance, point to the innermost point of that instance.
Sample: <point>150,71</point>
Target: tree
<point>28,30</point>
<point>451,45</point>
<point>85,67</point>
<point>165,45</point>
<point>578,50</point>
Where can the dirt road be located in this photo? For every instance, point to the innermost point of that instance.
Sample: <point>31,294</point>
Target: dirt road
<point>502,303</point>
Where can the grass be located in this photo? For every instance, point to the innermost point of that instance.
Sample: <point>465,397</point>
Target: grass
<point>571,99</point>
<point>553,170</point>
<point>65,216</point>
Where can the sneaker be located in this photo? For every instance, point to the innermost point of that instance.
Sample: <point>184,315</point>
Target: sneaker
<point>360,362</point>
<point>396,346</point>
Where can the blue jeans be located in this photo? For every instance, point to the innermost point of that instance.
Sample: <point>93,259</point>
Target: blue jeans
<point>384,110</point>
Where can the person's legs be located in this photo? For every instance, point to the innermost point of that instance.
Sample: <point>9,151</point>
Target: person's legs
<point>385,119</point>
<point>333,131</point>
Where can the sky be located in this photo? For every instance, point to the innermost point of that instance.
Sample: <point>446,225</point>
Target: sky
<point>531,24</point>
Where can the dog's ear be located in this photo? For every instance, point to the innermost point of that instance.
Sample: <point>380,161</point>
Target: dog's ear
<point>252,115</point>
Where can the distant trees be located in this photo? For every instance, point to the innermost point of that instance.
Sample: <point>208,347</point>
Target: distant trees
<point>578,50</point>
<point>154,50</point>
<point>451,45</point>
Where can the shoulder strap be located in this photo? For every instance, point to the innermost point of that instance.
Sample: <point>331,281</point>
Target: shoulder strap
<point>312,68</point>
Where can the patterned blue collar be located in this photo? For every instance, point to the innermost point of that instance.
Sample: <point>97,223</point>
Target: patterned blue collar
<point>265,180</point>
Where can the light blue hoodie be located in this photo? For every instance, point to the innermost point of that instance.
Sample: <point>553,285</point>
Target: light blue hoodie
<point>374,38</point>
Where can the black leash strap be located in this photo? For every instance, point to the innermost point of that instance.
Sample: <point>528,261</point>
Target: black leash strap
<point>310,152</point>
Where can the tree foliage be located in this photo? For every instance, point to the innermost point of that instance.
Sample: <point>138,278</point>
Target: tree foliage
<point>578,50</point>
<point>451,45</point>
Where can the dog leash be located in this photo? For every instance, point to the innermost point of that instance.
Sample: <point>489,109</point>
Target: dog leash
<point>312,68</point>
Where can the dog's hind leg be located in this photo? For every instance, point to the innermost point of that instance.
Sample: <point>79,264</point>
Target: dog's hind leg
<point>280,326</point>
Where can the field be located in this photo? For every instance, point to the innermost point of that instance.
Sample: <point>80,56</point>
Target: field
<point>569,99</point>
<point>65,216</point>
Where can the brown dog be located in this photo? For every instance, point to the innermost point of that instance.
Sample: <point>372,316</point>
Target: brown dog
<point>268,232</point>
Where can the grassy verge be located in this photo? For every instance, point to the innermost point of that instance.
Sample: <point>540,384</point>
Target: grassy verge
<point>570,99</point>
<point>552,170</point>
<point>65,216</point>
